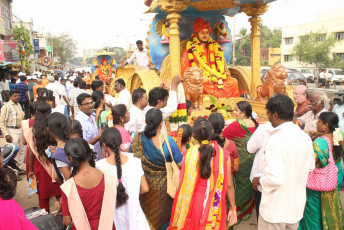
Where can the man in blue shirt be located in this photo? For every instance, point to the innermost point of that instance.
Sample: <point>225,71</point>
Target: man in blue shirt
<point>24,95</point>
<point>86,117</point>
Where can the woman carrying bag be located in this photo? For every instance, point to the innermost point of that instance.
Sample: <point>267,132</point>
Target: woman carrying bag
<point>323,207</point>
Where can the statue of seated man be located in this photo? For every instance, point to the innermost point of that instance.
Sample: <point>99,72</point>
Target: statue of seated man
<point>202,51</point>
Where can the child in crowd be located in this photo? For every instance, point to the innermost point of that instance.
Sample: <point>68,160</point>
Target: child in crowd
<point>57,127</point>
<point>89,196</point>
<point>184,139</point>
<point>121,116</point>
<point>131,182</point>
<point>218,123</point>
<point>75,128</point>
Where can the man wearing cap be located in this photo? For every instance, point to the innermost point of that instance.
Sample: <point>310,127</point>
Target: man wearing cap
<point>202,51</point>
<point>31,84</point>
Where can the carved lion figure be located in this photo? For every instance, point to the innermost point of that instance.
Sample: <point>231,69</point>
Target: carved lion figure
<point>274,83</point>
<point>193,86</point>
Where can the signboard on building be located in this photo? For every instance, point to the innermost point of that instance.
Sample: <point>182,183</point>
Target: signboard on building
<point>10,51</point>
<point>36,45</point>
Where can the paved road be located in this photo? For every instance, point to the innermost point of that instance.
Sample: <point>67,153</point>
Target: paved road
<point>26,201</point>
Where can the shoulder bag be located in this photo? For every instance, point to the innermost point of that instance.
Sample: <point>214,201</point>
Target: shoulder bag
<point>324,179</point>
<point>171,169</point>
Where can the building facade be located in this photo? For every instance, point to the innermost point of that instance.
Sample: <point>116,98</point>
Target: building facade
<point>328,22</point>
<point>5,18</point>
<point>270,56</point>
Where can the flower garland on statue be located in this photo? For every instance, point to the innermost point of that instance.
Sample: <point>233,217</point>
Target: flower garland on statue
<point>180,116</point>
<point>221,31</point>
<point>165,32</point>
<point>216,71</point>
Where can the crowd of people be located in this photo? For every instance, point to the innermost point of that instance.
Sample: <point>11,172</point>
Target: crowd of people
<point>111,164</point>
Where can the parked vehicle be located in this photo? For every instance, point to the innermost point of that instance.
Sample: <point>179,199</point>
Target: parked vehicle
<point>328,84</point>
<point>10,167</point>
<point>307,73</point>
<point>294,77</point>
<point>336,75</point>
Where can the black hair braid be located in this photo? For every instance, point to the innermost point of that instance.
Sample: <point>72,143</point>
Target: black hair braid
<point>92,158</point>
<point>219,139</point>
<point>255,121</point>
<point>122,196</point>
<point>6,188</point>
<point>207,152</point>
<point>75,165</point>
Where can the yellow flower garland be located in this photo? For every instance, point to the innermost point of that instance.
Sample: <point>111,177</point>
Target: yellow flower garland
<point>221,31</point>
<point>216,71</point>
<point>164,30</point>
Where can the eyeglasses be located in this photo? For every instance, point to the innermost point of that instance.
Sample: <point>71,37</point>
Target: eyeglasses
<point>88,103</point>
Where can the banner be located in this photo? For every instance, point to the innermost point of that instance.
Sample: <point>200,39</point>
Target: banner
<point>2,58</point>
<point>10,51</point>
<point>36,45</point>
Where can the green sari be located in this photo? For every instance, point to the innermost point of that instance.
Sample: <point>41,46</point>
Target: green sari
<point>240,134</point>
<point>323,210</point>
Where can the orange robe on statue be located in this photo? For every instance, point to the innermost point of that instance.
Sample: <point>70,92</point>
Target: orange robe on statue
<point>230,88</point>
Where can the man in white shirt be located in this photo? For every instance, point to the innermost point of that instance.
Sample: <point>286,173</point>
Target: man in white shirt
<point>287,160</point>
<point>167,102</point>
<point>317,102</point>
<point>52,86</point>
<point>140,55</point>
<point>140,101</point>
<point>124,95</point>
<point>256,145</point>
<point>76,93</point>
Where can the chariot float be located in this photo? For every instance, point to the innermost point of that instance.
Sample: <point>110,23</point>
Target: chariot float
<point>103,65</point>
<point>174,45</point>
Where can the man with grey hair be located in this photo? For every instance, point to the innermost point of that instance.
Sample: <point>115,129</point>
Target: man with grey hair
<point>317,103</point>
<point>300,98</point>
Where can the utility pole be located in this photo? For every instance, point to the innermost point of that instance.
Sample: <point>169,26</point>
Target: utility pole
<point>234,43</point>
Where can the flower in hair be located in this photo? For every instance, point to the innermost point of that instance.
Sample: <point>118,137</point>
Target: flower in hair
<point>337,136</point>
<point>205,142</point>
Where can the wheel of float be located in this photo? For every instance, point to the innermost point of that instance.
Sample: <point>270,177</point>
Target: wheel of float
<point>11,177</point>
<point>146,79</point>
<point>243,75</point>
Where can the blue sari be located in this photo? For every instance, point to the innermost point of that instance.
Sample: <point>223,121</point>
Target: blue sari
<point>156,204</point>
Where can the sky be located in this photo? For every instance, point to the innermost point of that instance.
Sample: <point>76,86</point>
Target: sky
<point>95,24</point>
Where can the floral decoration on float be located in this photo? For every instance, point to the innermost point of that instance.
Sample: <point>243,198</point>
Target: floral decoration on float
<point>180,116</point>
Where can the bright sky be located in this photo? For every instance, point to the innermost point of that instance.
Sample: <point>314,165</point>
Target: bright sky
<point>95,24</point>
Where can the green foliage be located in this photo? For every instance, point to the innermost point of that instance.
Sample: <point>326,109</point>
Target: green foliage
<point>119,54</point>
<point>243,44</point>
<point>63,45</point>
<point>312,51</point>
<point>22,34</point>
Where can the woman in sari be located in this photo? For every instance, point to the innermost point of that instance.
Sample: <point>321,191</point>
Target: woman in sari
<point>323,209</point>
<point>240,132</point>
<point>156,204</point>
<point>205,179</point>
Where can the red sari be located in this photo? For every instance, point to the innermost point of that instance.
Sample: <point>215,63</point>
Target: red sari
<point>197,213</point>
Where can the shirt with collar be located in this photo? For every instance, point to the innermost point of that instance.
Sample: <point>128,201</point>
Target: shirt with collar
<point>287,160</point>
<point>11,115</point>
<point>135,123</point>
<point>309,120</point>
<point>141,58</point>
<point>124,98</point>
<point>89,128</point>
<point>301,109</point>
<point>256,144</point>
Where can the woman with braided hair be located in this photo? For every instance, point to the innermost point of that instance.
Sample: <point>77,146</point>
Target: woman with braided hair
<point>205,180</point>
<point>131,182</point>
<point>89,196</point>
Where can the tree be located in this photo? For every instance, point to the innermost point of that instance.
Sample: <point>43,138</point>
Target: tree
<point>243,40</point>
<point>23,35</point>
<point>119,53</point>
<point>268,37</point>
<point>63,46</point>
<point>313,50</point>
